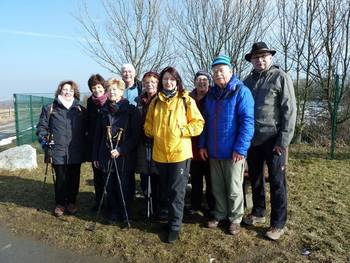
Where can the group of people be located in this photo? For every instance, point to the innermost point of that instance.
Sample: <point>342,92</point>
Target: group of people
<point>158,129</point>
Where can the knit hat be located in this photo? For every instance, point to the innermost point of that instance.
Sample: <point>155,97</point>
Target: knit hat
<point>223,60</point>
<point>202,73</point>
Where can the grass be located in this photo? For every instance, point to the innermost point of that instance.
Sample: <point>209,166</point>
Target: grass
<point>318,190</point>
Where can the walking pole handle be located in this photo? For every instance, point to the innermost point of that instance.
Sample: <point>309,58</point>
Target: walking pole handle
<point>109,135</point>
<point>118,136</point>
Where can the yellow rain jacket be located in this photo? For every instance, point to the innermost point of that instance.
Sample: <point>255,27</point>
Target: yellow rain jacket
<point>171,123</point>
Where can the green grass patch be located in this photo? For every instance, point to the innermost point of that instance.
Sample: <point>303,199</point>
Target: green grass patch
<point>318,191</point>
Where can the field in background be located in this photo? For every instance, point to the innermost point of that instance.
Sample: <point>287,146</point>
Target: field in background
<point>317,229</point>
<point>7,115</point>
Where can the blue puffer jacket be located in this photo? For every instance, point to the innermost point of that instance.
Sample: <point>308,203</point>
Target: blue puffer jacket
<point>229,120</point>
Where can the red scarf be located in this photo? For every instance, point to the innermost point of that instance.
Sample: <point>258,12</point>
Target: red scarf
<point>99,101</point>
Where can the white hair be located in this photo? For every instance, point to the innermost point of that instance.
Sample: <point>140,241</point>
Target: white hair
<point>128,66</point>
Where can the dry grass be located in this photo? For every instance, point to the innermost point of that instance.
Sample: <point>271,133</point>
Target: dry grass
<point>318,220</point>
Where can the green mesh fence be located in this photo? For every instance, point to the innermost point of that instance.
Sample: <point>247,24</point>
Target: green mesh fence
<point>27,112</point>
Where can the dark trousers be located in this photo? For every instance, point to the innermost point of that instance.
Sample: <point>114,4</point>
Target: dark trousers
<point>154,189</point>
<point>98,184</point>
<point>173,178</point>
<point>67,183</point>
<point>114,197</point>
<point>278,191</point>
<point>200,169</point>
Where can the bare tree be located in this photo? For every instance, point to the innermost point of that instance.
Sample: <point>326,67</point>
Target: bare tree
<point>204,29</point>
<point>296,20</point>
<point>333,23</point>
<point>133,32</point>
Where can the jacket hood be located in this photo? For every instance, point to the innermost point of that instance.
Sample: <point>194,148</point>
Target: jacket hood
<point>231,86</point>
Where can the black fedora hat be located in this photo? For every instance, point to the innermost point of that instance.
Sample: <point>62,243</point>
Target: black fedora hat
<point>257,48</point>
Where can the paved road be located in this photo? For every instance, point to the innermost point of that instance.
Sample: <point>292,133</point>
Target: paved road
<point>7,130</point>
<point>19,250</point>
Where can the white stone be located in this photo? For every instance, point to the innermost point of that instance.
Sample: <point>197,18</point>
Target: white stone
<point>20,157</point>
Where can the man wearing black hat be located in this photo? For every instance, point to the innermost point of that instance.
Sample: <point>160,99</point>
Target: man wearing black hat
<point>275,116</point>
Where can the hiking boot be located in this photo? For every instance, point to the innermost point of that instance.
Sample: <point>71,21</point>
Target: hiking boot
<point>59,211</point>
<point>274,233</point>
<point>252,220</point>
<point>234,228</point>
<point>173,236</point>
<point>213,223</point>
<point>72,208</point>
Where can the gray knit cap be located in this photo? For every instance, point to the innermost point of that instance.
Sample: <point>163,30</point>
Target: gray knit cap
<point>202,73</point>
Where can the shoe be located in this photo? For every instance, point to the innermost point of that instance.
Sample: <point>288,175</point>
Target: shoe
<point>234,228</point>
<point>213,223</point>
<point>173,236</point>
<point>72,208</point>
<point>59,211</point>
<point>274,233</point>
<point>252,220</point>
<point>165,228</point>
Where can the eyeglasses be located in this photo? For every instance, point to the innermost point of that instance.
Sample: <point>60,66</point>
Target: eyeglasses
<point>260,56</point>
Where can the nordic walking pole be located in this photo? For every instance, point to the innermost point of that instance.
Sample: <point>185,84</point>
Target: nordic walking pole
<point>93,226</point>
<point>48,159</point>
<point>104,193</point>
<point>118,136</point>
<point>149,188</point>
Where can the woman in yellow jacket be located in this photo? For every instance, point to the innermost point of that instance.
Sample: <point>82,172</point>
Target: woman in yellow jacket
<point>171,120</point>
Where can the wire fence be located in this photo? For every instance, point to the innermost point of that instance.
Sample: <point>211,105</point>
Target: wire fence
<point>27,112</point>
<point>27,108</point>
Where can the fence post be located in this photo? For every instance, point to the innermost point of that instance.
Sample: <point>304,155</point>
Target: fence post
<point>334,117</point>
<point>31,116</point>
<point>15,104</point>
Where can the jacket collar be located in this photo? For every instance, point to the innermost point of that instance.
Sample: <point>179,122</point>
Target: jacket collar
<point>231,86</point>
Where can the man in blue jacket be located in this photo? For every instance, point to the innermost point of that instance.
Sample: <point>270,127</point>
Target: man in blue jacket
<point>228,130</point>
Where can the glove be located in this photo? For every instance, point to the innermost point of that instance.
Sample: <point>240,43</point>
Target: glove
<point>43,144</point>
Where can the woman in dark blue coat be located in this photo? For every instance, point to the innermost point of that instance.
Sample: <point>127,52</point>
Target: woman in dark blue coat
<point>63,124</point>
<point>117,113</point>
<point>94,105</point>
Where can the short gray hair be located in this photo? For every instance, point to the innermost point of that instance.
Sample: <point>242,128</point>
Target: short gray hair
<point>128,66</point>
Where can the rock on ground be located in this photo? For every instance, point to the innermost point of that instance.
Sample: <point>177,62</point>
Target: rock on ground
<point>20,157</point>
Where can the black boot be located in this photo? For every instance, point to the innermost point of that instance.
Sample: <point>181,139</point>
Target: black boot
<point>173,236</point>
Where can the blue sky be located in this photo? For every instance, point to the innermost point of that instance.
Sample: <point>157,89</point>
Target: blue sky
<point>39,46</point>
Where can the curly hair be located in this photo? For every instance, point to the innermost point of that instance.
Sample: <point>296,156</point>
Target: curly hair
<point>72,84</point>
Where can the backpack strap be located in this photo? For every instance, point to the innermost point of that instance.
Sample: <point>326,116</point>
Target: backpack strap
<point>50,111</point>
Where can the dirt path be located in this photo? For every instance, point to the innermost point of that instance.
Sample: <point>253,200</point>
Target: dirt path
<point>20,250</point>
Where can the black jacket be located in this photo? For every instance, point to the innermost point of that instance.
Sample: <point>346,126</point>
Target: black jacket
<point>125,116</point>
<point>68,128</point>
<point>91,119</point>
